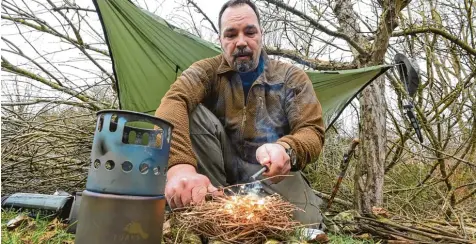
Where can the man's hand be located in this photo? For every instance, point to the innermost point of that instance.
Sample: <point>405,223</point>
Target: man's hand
<point>274,156</point>
<point>185,186</point>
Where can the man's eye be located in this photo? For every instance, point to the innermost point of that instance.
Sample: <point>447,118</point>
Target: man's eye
<point>250,33</point>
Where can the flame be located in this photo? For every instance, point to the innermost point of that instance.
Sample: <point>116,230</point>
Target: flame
<point>245,208</point>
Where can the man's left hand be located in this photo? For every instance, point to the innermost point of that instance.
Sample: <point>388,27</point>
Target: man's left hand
<point>274,156</point>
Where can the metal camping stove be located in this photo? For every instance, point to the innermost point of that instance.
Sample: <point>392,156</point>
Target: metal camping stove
<point>124,199</point>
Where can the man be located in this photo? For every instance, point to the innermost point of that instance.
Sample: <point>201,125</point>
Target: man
<point>240,111</point>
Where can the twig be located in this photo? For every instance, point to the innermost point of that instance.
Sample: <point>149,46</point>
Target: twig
<point>240,218</point>
<point>450,223</point>
<point>319,26</point>
<point>204,15</point>
<point>426,234</point>
<point>337,200</point>
<point>74,8</point>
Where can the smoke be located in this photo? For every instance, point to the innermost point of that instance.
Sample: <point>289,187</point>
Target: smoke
<point>266,130</point>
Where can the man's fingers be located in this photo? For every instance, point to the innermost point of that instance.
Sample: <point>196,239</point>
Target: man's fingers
<point>169,195</point>
<point>214,191</point>
<point>170,200</point>
<point>179,190</point>
<point>279,162</point>
<point>274,159</point>
<point>273,170</point>
<point>173,199</point>
<point>198,193</point>
<point>218,193</point>
<point>186,195</point>
<point>186,198</point>
<point>262,156</point>
<point>182,190</point>
<point>177,201</point>
<point>211,188</point>
<point>276,154</point>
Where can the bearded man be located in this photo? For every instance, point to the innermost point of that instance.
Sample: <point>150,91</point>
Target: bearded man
<point>239,111</point>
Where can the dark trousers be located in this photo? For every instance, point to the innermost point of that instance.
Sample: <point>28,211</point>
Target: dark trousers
<point>218,162</point>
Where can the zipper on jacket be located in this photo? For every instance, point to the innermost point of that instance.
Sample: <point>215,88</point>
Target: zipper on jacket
<point>242,131</point>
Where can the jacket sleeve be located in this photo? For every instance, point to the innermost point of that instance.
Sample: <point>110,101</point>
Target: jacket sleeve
<point>304,113</point>
<point>190,88</point>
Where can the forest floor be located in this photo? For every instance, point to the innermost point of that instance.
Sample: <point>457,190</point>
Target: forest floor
<point>32,231</point>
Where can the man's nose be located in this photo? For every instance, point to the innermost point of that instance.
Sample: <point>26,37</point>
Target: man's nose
<point>241,43</point>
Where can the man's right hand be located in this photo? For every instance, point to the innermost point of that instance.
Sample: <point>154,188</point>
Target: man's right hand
<point>185,186</point>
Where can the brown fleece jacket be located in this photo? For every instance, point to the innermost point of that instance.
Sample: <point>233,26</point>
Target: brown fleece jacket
<point>281,106</point>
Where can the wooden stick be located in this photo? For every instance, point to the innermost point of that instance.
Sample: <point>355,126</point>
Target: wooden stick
<point>432,236</point>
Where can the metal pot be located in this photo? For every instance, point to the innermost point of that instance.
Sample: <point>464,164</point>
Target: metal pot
<point>124,199</point>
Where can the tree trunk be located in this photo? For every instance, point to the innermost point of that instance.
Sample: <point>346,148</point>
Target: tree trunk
<point>369,175</point>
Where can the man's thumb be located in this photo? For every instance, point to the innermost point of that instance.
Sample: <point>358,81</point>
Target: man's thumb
<point>215,191</point>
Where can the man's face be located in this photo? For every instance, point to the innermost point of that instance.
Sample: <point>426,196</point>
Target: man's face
<point>240,38</point>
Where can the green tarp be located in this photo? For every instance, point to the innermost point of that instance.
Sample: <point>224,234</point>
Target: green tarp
<point>148,54</point>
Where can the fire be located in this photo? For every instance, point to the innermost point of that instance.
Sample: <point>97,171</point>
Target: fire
<point>245,208</point>
<point>240,218</point>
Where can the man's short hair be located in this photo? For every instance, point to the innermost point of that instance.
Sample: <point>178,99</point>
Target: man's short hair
<point>233,3</point>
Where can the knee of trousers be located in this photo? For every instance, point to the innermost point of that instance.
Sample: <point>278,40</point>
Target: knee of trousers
<point>310,215</point>
<point>202,120</point>
<point>297,191</point>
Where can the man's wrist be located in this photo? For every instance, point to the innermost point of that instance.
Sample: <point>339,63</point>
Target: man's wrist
<point>292,155</point>
<point>284,145</point>
<point>176,168</point>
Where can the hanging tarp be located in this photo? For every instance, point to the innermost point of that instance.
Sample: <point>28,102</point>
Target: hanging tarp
<point>148,54</point>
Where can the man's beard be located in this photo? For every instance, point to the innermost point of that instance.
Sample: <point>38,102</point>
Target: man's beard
<point>243,66</point>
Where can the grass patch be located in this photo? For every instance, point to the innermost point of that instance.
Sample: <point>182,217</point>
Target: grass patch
<point>38,230</point>
<point>338,239</point>
<point>34,231</point>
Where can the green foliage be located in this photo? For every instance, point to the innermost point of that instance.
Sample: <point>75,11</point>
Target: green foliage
<point>34,231</point>
<point>344,239</point>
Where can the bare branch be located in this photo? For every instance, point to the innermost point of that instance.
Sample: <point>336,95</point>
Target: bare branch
<point>204,15</point>
<point>429,29</point>
<point>65,7</point>
<point>16,70</point>
<point>38,101</point>
<point>320,27</point>
<point>46,29</point>
<point>312,63</point>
